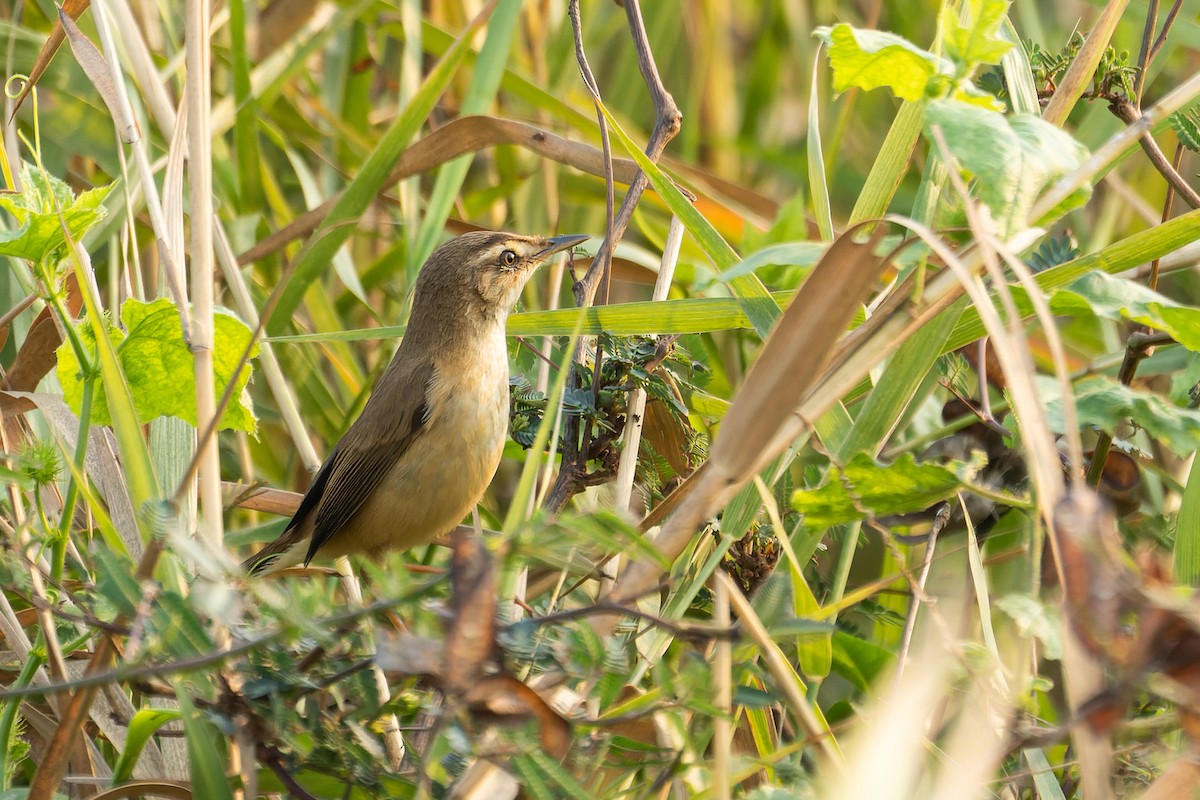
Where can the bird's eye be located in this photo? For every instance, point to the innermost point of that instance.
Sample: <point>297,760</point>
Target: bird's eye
<point>508,258</point>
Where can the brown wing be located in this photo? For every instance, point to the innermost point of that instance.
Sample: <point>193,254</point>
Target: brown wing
<point>391,421</point>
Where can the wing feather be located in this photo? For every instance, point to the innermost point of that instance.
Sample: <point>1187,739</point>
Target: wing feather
<point>392,420</point>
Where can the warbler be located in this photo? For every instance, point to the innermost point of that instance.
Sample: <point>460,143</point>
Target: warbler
<point>429,440</point>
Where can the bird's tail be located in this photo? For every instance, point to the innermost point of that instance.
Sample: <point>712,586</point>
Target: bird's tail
<point>285,552</point>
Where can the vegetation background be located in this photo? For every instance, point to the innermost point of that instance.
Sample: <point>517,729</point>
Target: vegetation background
<point>780,640</point>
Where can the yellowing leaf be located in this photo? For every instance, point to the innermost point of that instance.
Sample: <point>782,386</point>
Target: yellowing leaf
<point>158,366</point>
<point>873,59</point>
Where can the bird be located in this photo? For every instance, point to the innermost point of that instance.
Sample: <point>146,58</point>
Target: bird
<point>428,441</point>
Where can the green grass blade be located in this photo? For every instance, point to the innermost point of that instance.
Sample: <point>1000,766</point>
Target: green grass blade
<point>206,767</point>
<point>1187,531</point>
<point>367,184</point>
<point>818,186</point>
<point>753,297</point>
<point>889,167</point>
<point>144,724</point>
<point>1140,248</point>
<point>1017,74</point>
<point>905,373</point>
<point>690,315</point>
<point>489,69</point>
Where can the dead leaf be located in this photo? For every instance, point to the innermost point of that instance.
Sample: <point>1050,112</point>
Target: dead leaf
<point>668,435</point>
<point>504,700</point>
<point>96,68</point>
<point>37,354</point>
<point>795,354</point>
<point>471,628</point>
<point>73,9</point>
<point>460,137</point>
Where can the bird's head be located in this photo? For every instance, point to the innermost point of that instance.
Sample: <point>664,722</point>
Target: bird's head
<point>486,269</point>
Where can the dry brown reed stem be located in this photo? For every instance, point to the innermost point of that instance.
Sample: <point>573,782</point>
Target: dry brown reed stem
<point>792,360</point>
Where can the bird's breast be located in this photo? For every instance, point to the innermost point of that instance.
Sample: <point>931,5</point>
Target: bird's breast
<point>451,463</point>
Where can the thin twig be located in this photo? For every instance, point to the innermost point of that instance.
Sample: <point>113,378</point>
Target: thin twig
<point>15,311</point>
<point>93,679</point>
<point>910,622</point>
<point>1144,53</point>
<point>1166,28</point>
<point>573,476</point>
<point>1129,114</point>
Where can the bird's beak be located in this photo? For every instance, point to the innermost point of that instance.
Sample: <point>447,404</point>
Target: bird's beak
<point>560,243</point>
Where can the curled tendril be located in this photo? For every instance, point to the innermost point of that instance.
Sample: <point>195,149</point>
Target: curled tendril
<point>15,85</point>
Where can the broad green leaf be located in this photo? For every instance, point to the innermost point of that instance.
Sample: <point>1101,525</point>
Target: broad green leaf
<point>1012,159</point>
<point>869,59</point>
<point>206,767</point>
<point>1106,404</point>
<point>1118,298</point>
<point>38,236</point>
<point>858,660</point>
<point>159,367</point>
<point>979,41</point>
<point>902,487</point>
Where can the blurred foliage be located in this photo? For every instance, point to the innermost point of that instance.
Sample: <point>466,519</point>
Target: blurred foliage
<point>313,101</point>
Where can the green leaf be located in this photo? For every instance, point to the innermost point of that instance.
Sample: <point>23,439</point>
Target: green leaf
<point>367,183</point>
<point>1187,531</point>
<point>39,236</point>
<point>1118,298</point>
<point>752,296</point>
<point>1012,159</point>
<point>115,583</point>
<point>206,767</point>
<point>869,59</point>
<point>863,485</point>
<point>159,367</point>
<point>1186,124</point>
<point>1045,782</point>
<point>1106,404</point>
<point>485,80</point>
<point>857,660</point>
<point>1138,248</point>
<point>1034,619</point>
<point>145,723</point>
<point>979,41</point>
